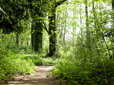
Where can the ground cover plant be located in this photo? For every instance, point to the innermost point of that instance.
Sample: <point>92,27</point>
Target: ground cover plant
<point>16,61</point>
<point>10,66</point>
<point>76,73</point>
<point>41,59</point>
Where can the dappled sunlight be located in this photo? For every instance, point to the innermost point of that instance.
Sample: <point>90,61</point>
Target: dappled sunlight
<point>40,77</point>
<point>44,42</point>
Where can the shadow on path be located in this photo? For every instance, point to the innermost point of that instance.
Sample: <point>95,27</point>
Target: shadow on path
<point>39,78</point>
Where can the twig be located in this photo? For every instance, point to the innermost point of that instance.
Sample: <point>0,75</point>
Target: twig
<point>44,25</point>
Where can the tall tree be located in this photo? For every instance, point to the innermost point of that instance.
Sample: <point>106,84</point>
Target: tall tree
<point>37,36</point>
<point>88,41</point>
<point>52,27</point>
<point>14,12</point>
<point>112,29</point>
<point>36,10</point>
<point>95,26</point>
<point>87,25</point>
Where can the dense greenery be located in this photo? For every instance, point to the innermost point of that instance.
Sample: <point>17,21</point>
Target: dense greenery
<point>74,71</point>
<point>12,63</point>
<point>76,36</point>
<point>89,60</point>
<point>20,60</point>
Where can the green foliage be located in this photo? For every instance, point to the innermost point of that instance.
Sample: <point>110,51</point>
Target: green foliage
<point>19,11</point>
<point>9,66</point>
<point>82,59</point>
<point>14,49</point>
<point>79,74</point>
<point>11,61</point>
<point>40,59</point>
<point>14,13</point>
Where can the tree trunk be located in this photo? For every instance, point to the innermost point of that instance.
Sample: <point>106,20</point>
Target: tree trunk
<point>32,43</point>
<point>64,35</point>
<point>27,43</point>
<point>17,38</point>
<point>112,39</point>
<point>52,28</point>
<point>22,40</point>
<point>87,24</point>
<point>81,18</point>
<point>52,33</point>
<point>37,36</point>
<point>88,41</point>
<point>86,12</point>
<point>95,26</point>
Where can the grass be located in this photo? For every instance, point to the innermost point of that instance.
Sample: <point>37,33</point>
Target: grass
<point>40,59</point>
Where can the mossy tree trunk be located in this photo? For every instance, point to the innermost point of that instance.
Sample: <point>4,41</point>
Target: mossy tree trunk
<point>52,33</point>
<point>52,28</point>
<point>37,36</point>
<point>36,28</point>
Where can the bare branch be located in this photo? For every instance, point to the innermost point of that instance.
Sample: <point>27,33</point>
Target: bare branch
<point>2,10</point>
<point>59,3</point>
<point>44,25</point>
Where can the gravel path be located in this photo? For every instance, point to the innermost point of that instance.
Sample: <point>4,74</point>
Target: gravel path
<point>39,78</point>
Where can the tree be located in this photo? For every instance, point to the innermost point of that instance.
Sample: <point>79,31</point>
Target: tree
<point>37,13</point>
<point>14,13</point>
<point>87,27</point>
<point>112,30</point>
<point>52,27</point>
<point>37,36</point>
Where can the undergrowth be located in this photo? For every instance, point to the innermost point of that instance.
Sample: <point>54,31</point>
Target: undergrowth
<point>73,70</point>
<point>40,59</point>
<point>20,60</point>
<point>11,66</point>
<point>11,62</point>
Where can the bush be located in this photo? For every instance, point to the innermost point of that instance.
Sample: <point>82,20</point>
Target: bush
<point>93,73</point>
<point>11,66</point>
<point>40,59</point>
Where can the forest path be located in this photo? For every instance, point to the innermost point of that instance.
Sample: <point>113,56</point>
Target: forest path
<point>38,78</point>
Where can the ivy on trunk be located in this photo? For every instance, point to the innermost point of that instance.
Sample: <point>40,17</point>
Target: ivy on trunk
<point>52,28</point>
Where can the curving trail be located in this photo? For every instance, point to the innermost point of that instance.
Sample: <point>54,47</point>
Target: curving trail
<point>39,78</point>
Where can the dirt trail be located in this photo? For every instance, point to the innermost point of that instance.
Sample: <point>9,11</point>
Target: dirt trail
<point>39,78</point>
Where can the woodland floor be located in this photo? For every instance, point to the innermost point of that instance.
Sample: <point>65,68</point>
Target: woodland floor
<point>38,78</point>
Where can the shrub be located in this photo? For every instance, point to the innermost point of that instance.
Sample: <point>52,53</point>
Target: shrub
<point>93,73</point>
<point>40,59</point>
<point>11,66</point>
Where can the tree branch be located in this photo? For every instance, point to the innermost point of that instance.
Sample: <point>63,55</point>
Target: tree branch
<point>59,3</point>
<point>2,10</point>
<point>44,25</point>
